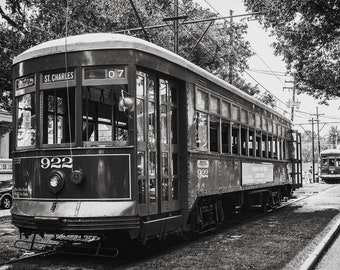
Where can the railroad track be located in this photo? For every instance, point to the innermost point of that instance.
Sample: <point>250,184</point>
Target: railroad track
<point>140,254</point>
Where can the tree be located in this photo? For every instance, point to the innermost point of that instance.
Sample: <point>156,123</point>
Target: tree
<point>308,38</point>
<point>333,136</point>
<point>26,23</point>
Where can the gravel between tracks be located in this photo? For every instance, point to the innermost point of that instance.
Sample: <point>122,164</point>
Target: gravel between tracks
<point>281,239</point>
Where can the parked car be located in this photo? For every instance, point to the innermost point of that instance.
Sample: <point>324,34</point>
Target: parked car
<point>6,187</point>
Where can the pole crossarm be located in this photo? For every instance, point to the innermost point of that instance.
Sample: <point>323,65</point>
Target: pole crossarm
<point>189,22</point>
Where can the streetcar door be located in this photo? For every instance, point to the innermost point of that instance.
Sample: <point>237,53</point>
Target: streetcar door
<point>147,154</point>
<point>296,159</point>
<point>168,115</point>
<point>157,144</point>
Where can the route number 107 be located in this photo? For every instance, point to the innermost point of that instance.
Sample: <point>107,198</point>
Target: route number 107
<point>56,162</point>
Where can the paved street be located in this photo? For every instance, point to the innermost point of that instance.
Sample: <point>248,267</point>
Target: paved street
<point>4,213</point>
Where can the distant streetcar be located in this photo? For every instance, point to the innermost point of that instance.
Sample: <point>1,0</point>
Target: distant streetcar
<point>115,135</point>
<point>330,165</point>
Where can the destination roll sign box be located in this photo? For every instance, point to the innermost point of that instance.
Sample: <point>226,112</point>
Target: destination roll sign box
<point>58,76</point>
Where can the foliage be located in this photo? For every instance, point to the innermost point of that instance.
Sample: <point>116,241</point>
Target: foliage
<point>333,137</point>
<point>308,39</point>
<point>26,23</point>
<point>327,141</point>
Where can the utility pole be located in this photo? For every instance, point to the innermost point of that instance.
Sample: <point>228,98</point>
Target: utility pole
<point>313,156</point>
<point>231,47</point>
<point>318,134</point>
<point>292,103</point>
<point>293,106</point>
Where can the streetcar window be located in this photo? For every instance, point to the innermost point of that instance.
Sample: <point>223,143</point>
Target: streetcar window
<point>174,123</point>
<point>235,114</point>
<point>140,163</point>
<point>244,116</point>
<point>279,149</point>
<point>324,162</point>
<point>258,121</point>
<point>201,130</point>
<point>235,139</point>
<point>174,185</point>
<point>140,120</point>
<point>26,120</point>
<point>214,105</point>
<point>251,119</point>
<point>214,133</point>
<point>164,124</point>
<point>270,126</point>
<point>202,100</point>
<point>338,162</point>
<point>270,147</point>
<point>331,162</point>
<point>58,115</point>
<point>284,147</point>
<point>251,142</point>
<point>163,100</point>
<point>264,145</point>
<point>152,191</point>
<point>225,109</point>
<point>102,119</point>
<point>258,144</point>
<point>165,189</point>
<point>244,134</point>
<point>174,189</point>
<point>141,173</point>
<point>264,124</point>
<point>141,191</point>
<point>173,115</point>
<point>225,137</point>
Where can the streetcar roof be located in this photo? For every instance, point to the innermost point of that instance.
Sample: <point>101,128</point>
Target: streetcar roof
<point>330,152</point>
<point>102,41</point>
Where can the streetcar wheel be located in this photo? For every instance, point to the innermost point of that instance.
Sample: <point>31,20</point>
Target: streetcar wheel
<point>189,236</point>
<point>265,202</point>
<point>279,197</point>
<point>6,202</point>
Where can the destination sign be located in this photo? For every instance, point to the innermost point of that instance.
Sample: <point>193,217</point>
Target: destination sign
<point>105,73</point>
<point>24,82</point>
<point>58,76</point>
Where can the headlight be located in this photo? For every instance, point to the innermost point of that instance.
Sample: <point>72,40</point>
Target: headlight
<point>56,181</point>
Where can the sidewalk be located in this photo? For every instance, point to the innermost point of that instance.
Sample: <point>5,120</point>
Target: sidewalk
<point>326,196</point>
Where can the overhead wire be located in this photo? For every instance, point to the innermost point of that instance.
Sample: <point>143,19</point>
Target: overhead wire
<point>252,77</point>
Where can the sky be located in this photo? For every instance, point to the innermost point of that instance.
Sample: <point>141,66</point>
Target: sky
<point>264,59</point>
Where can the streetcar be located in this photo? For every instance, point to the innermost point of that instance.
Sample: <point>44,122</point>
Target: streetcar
<point>114,136</point>
<point>330,165</point>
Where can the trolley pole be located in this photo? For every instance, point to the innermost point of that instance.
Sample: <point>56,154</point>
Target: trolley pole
<point>231,47</point>
<point>176,27</point>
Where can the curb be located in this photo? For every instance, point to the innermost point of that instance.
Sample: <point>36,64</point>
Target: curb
<point>326,242</point>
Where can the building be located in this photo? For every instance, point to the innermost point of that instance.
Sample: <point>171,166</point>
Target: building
<point>5,146</point>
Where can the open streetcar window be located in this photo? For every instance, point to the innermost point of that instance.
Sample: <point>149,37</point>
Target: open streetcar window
<point>102,119</point>
<point>26,120</point>
<point>58,115</point>
<point>214,133</point>
<point>325,162</point>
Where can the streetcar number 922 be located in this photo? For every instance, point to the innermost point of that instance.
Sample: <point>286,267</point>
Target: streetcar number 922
<point>56,162</point>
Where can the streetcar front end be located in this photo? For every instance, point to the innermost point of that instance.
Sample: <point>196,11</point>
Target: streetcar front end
<point>74,142</point>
